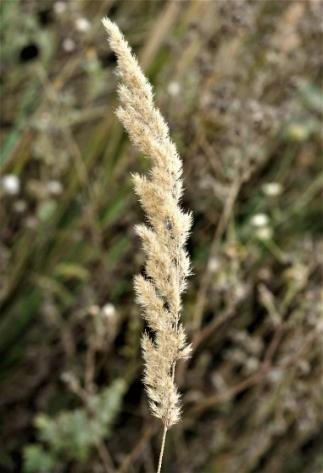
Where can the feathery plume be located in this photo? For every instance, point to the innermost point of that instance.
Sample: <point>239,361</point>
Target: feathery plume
<point>167,265</point>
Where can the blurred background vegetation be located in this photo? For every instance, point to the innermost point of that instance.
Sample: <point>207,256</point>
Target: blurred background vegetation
<point>240,85</point>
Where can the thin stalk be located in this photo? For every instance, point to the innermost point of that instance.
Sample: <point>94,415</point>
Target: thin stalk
<point>162,447</point>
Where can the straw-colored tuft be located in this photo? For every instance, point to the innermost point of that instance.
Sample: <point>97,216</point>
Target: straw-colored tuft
<point>167,263</point>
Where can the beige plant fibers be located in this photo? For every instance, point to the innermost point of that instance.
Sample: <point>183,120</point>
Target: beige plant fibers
<point>167,266</point>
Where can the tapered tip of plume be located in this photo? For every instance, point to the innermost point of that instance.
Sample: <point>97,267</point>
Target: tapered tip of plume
<point>109,25</point>
<point>115,35</point>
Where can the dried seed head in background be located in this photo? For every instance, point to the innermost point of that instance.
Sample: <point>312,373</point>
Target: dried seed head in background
<point>167,263</point>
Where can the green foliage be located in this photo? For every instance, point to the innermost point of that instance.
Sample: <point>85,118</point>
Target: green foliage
<point>36,459</point>
<point>72,435</point>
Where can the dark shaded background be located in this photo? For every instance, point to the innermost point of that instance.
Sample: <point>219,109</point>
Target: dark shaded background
<point>239,83</point>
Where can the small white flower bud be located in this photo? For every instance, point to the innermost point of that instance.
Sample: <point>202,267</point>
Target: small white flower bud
<point>11,184</point>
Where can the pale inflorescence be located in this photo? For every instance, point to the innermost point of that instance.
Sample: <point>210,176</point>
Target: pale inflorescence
<point>167,263</point>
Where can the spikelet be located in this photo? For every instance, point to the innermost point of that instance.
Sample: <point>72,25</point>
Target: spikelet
<point>167,263</point>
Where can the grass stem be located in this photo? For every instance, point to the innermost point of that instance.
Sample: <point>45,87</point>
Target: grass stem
<point>162,448</point>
